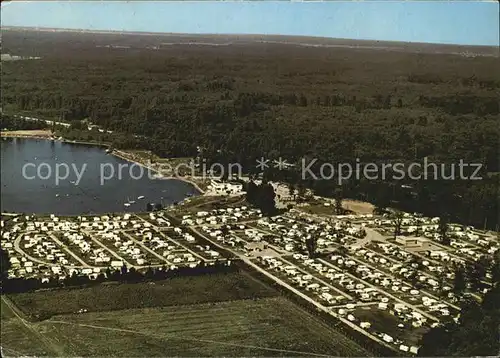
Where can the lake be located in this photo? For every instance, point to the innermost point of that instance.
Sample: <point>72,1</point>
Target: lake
<point>51,177</point>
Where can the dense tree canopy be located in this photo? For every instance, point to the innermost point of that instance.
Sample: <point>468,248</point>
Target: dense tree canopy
<point>254,99</point>
<point>10,123</point>
<point>475,334</point>
<point>4,265</point>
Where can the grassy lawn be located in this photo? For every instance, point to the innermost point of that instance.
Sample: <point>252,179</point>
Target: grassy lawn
<point>266,327</point>
<point>187,316</point>
<point>208,203</point>
<point>196,201</point>
<point>318,209</point>
<point>114,296</point>
<point>18,338</point>
<point>385,322</point>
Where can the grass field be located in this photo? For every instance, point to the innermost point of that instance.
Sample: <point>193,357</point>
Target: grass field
<point>114,296</point>
<point>318,209</point>
<point>383,321</point>
<point>218,315</point>
<point>208,203</point>
<point>19,337</point>
<point>265,327</point>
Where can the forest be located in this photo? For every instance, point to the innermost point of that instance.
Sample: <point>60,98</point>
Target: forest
<point>10,123</point>
<point>475,333</point>
<point>251,99</point>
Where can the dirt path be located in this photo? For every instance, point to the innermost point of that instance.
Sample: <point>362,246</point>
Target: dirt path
<point>48,343</point>
<point>319,306</point>
<point>170,338</point>
<point>139,161</point>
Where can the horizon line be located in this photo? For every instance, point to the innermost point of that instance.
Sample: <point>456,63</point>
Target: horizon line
<point>138,32</point>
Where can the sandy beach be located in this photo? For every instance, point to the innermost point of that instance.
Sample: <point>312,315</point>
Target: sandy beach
<point>35,133</point>
<point>127,156</point>
<point>130,157</point>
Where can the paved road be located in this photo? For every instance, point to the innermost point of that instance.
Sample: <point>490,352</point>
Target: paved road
<point>384,292</point>
<point>33,119</point>
<point>242,222</point>
<point>155,254</point>
<point>65,248</point>
<point>395,278</point>
<point>371,235</point>
<point>166,237</point>
<point>294,290</point>
<point>278,249</point>
<point>34,259</point>
<point>112,252</point>
<point>18,249</point>
<point>426,272</point>
<point>374,235</point>
<point>316,277</point>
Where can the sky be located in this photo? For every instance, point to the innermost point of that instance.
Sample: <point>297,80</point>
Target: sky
<point>454,22</point>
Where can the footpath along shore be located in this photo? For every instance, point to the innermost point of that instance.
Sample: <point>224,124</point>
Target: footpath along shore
<point>128,156</point>
<point>35,134</point>
<point>47,134</point>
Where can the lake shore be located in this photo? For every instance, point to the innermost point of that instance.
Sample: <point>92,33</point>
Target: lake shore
<point>127,156</point>
<point>122,154</point>
<point>33,133</point>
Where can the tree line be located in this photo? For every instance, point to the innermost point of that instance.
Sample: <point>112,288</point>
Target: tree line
<point>476,333</point>
<point>10,123</point>
<point>237,106</point>
<point>124,274</point>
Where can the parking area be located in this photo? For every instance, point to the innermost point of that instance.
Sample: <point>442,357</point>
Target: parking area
<point>393,288</point>
<point>55,247</point>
